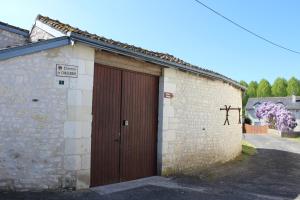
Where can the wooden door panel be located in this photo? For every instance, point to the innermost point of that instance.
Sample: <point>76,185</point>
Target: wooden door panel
<point>123,95</point>
<point>105,155</point>
<point>138,139</point>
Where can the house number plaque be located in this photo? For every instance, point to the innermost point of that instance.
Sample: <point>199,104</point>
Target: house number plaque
<point>67,70</point>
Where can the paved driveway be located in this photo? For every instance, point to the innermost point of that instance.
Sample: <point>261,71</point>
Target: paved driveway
<point>270,141</point>
<point>272,174</point>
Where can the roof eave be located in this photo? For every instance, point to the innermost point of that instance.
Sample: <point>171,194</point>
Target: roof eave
<point>33,47</point>
<point>13,29</point>
<point>155,60</point>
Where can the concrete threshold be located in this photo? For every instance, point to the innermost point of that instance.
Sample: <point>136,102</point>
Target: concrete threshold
<point>123,186</point>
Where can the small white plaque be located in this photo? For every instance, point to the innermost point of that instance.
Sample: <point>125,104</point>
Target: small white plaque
<point>67,70</point>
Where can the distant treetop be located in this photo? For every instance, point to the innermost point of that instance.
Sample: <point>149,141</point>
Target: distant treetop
<point>280,88</point>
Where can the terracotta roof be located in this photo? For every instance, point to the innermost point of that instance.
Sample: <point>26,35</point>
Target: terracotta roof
<point>68,29</point>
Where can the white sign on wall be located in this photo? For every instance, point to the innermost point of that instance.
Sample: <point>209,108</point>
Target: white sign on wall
<point>67,70</point>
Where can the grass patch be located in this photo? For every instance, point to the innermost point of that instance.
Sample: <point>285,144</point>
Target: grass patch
<point>248,148</point>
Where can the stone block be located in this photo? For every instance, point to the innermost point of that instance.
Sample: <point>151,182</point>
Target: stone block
<point>170,135</point>
<point>72,162</point>
<point>83,82</point>
<point>87,97</point>
<point>170,87</point>
<point>83,179</point>
<point>79,113</point>
<point>170,73</point>
<point>169,110</point>
<point>73,146</point>
<point>77,129</point>
<point>75,97</point>
<point>89,67</point>
<point>85,145</point>
<point>86,161</point>
<point>165,122</point>
<point>72,129</point>
<point>80,64</point>
<point>86,129</point>
<point>69,179</point>
<point>83,52</point>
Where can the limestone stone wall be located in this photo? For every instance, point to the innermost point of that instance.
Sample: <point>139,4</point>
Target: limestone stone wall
<point>37,33</point>
<point>10,39</point>
<point>193,134</point>
<point>45,127</point>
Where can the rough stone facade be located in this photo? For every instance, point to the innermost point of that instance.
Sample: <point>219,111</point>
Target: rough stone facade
<point>193,134</point>
<point>45,127</point>
<point>10,39</point>
<point>37,33</point>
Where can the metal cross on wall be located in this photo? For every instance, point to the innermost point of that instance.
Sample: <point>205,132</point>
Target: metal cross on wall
<point>227,109</point>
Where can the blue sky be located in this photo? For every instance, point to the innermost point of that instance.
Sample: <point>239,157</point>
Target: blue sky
<point>185,29</point>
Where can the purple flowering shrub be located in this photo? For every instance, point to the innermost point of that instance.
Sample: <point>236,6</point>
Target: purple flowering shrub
<point>276,116</point>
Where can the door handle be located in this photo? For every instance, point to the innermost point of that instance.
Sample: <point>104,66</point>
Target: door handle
<point>125,123</point>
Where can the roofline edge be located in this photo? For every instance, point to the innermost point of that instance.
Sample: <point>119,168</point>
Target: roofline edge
<point>115,49</point>
<point>13,29</point>
<point>34,47</point>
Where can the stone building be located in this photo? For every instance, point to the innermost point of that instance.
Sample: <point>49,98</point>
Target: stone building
<point>79,110</point>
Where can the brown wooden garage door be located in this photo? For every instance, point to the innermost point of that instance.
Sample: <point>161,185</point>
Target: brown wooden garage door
<point>124,132</point>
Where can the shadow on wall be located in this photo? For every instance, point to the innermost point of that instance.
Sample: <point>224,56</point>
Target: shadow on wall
<point>269,172</point>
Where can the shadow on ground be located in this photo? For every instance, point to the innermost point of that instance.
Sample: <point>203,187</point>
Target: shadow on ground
<point>270,174</point>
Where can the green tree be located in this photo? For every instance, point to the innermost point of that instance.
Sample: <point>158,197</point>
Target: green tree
<point>293,87</point>
<point>244,83</point>
<point>279,87</point>
<point>264,89</point>
<point>245,95</point>
<point>252,88</point>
